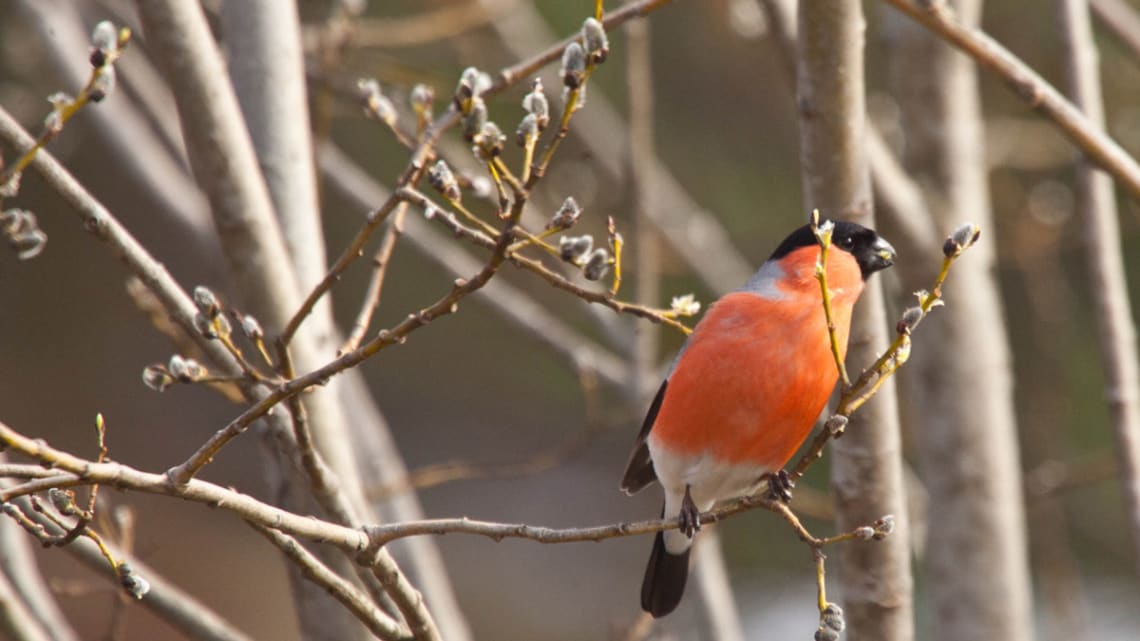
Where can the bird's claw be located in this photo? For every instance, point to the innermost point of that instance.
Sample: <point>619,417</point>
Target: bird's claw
<point>690,518</point>
<point>780,486</point>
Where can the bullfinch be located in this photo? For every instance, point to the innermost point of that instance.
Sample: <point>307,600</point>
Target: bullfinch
<point>745,391</point>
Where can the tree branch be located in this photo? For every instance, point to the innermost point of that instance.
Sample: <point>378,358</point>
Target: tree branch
<point>1116,328</point>
<point>1038,94</point>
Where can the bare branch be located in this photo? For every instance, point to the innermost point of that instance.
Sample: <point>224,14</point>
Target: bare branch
<point>1116,328</point>
<point>1030,87</point>
<point>382,625</point>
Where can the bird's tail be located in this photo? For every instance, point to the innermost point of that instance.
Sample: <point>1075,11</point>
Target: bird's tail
<point>664,579</point>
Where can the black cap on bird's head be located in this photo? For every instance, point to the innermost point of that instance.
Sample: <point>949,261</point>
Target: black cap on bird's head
<point>870,250</point>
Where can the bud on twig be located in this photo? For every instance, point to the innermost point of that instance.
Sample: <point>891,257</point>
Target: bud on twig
<point>909,320</point>
<point>832,618</point>
<point>441,178</point>
<point>884,527</point>
<point>475,119</point>
<point>961,240</point>
<point>472,84</point>
<point>251,328</point>
<point>573,248</point>
<point>535,103</point>
<point>421,99</point>
<point>376,104</point>
<point>134,584</point>
<point>597,264</point>
<point>527,131</point>
<point>835,425</point>
<point>566,215</point>
<point>156,377</point>
<point>206,301</point>
<point>573,65</point>
<point>489,143</point>
<point>595,39</point>
<point>185,370</point>
<point>104,42</point>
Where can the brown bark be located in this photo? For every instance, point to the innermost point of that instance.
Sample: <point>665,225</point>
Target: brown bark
<point>960,380</point>
<point>875,578</point>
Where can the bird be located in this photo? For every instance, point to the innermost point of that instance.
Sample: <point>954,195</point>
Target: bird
<point>745,391</point>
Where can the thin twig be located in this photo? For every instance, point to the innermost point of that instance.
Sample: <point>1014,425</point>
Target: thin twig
<point>78,471</point>
<point>347,257</point>
<point>1031,88</point>
<point>380,262</point>
<point>544,272</point>
<point>823,235</point>
<point>382,625</point>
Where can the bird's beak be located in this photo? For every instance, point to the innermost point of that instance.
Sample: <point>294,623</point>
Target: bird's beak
<point>884,254</point>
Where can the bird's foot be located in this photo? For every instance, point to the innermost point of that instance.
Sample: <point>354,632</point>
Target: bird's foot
<point>690,518</point>
<point>780,486</point>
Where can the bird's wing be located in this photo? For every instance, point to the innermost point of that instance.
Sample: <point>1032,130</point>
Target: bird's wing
<point>640,473</point>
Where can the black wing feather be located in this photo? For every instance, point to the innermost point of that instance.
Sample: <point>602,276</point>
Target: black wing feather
<point>639,472</point>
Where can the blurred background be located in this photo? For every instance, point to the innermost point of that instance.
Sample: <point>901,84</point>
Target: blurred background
<point>472,386</point>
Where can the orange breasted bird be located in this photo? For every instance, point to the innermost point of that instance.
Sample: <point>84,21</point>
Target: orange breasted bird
<point>746,390</point>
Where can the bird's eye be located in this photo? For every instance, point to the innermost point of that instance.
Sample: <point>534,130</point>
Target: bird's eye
<point>846,242</point>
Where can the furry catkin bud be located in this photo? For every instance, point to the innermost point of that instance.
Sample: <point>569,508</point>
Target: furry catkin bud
<point>884,527</point>
<point>832,617</point>
<point>104,41</point>
<point>566,215</point>
<point>442,179</point>
<point>206,301</point>
<point>156,377</point>
<point>535,103</point>
<point>472,84</point>
<point>909,319</point>
<point>134,584</point>
<point>185,370</point>
<point>573,65</point>
<point>421,99</point>
<point>475,119</point>
<point>465,90</point>
<point>489,143</point>
<point>376,104</point>
<point>251,328</point>
<point>105,36</point>
<point>961,239</point>
<point>573,248</point>
<point>527,131</point>
<point>597,43</point>
<point>597,264</point>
